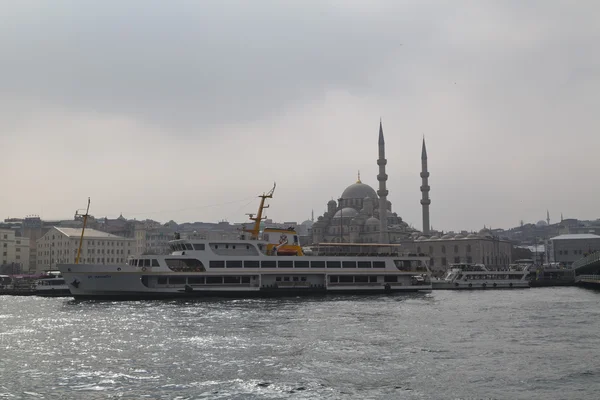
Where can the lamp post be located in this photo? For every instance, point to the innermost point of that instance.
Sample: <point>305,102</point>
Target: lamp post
<point>341,220</point>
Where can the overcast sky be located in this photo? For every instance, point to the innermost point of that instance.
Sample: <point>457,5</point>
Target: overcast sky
<point>187,110</point>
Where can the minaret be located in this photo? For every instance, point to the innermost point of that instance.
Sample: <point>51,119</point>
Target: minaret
<point>425,201</point>
<point>548,217</point>
<point>382,192</point>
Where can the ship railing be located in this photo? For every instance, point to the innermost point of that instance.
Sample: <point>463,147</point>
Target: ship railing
<point>588,278</point>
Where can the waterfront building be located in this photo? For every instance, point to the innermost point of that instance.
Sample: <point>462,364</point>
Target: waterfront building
<point>454,248</point>
<point>59,245</point>
<point>568,248</point>
<point>14,251</point>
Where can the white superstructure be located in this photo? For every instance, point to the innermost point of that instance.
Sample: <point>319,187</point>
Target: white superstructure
<point>198,268</point>
<point>477,276</point>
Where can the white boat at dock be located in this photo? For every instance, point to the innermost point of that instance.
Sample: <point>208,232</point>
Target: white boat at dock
<point>477,276</point>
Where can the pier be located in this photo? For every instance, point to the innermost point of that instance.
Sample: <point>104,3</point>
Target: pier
<point>587,271</point>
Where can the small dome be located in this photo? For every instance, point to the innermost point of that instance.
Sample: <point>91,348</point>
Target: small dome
<point>421,238</point>
<point>541,223</point>
<point>448,236</point>
<point>459,236</point>
<point>372,221</point>
<point>331,202</point>
<point>472,236</point>
<point>359,190</point>
<point>485,233</point>
<point>347,212</point>
<point>308,222</point>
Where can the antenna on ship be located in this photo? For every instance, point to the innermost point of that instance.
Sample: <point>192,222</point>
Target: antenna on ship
<point>85,218</point>
<point>259,215</point>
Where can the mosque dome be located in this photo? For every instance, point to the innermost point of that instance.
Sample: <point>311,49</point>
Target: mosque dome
<point>359,190</point>
<point>448,236</point>
<point>472,236</point>
<point>308,223</point>
<point>541,223</point>
<point>459,236</point>
<point>485,233</point>
<point>372,221</point>
<point>331,202</point>
<point>347,212</point>
<point>421,238</point>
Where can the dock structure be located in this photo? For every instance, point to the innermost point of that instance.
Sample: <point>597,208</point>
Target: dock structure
<point>587,271</point>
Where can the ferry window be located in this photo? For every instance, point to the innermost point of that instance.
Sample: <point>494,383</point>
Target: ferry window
<point>277,279</point>
<point>390,279</point>
<point>214,279</point>
<point>155,263</point>
<point>333,279</point>
<point>245,279</point>
<point>268,264</point>
<point>198,246</point>
<point>234,263</point>
<point>378,264</point>
<point>334,264</point>
<point>251,264</point>
<point>176,280</point>
<point>217,264</point>
<point>346,279</point>
<point>301,264</point>
<point>162,280</point>
<point>317,264</point>
<point>303,279</point>
<point>286,278</point>
<point>196,280</point>
<point>286,264</point>
<point>188,246</point>
<point>266,237</point>
<point>364,264</point>
<point>233,246</point>
<point>231,279</point>
<point>295,239</point>
<point>296,279</point>
<point>133,263</point>
<point>349,264</point>
<point>147,262</point>
<point>185,264</point>
<point>361,279</point>
<point>372,279</point>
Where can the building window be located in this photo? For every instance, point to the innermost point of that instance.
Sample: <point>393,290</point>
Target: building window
<point>456,249</point>
<point>430,250</point>
<point>444,251</point>
<point>468,248</point>
<point>456,260</point>
<point>444,262</point>
<point>566,252</point>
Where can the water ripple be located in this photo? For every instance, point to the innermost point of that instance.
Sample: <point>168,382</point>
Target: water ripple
<point>538,343</point>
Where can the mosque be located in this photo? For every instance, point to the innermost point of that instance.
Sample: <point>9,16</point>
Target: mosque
<point>363,215</point>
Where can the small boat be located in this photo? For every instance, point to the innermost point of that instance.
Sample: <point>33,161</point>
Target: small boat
<point>477,276</point>
<point>52,285</point>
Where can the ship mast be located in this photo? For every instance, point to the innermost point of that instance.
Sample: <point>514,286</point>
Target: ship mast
<point>85,217</point>
<point>259,216</point>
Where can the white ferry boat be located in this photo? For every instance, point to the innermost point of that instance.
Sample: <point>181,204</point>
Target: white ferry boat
<point>271,264</point>
<point>52,285</point>
<point>477,276</point>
